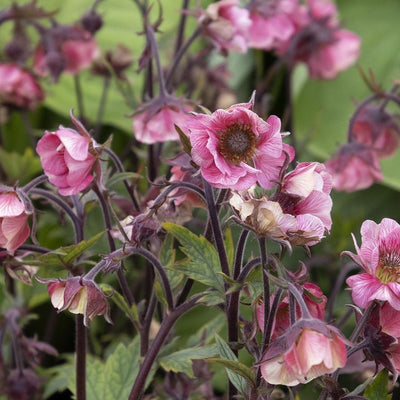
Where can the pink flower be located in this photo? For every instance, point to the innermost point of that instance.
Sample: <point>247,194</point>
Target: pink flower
<point>14,229</point>
<point>271,23</point>
<point>79,296</point>
<point>390,324</point>
<point>379,256</point>
<point>306,351</point>
<point>159,127</point>
<point>320,42</point>
<point>235,148</point>
<point>76,52</point>
<point>376,129</point>
<point>354,167</point>
<point>315,303</point>
<point>68,159</point>
<point>226,25</point>
<point>18,87</point>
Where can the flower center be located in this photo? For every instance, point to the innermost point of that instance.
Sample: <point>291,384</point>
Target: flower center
<point>389,268</point>
<point>237,143</point>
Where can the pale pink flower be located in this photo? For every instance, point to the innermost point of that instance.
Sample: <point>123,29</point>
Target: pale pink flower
<point>149,127</point>
<point>315,303</point>
<point>18,87</point>
<point>68,159</point>
<point>303,353</point>
<point>354,167</point>
<point>79,296</point>
<point>226,24</point>
<point>376,129</point>
<point>76,53</point>
<point>379,256</point>
<point>235,148</point>
<point>14,228</point>
<point>271,23</point>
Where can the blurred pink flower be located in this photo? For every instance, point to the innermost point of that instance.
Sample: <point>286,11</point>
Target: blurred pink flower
<point>153,127</point>
<point>227,25</point>
<point>18,87</point>
<point>271,24</point>
<point>14,229</point>
<point>320,42</point>
<point>315,303</point>
<point>306,351</point>
<point>390,324</point>
<point>354,167</point>
<point>377,130</point>
<point>235,148</point>
<point>379,256</point>
<point>79,296</point>
<point>68,159</point>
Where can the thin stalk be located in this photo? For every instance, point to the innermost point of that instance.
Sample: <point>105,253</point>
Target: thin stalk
<point>248,268</point>
<point>305,313</point>
<point>102,104</point>
<point>181,26</point>
<point>264,260</point>
<point>80,349</point>
<point>146,323</point>
<point>28,127</point>
<point>165,328</point>
<point>361,324</point>
<point>79,97</point>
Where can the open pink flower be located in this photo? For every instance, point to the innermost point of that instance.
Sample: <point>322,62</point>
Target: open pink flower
<point>379,256</point>
<point>271,23</point>
<point>14,229</point>
<point>226,24</point>
<point>306,351</point>
<point>235,148</point>
<point>354,167</point>
<point>378,130</point>
<point>18,87</point>
<point>68,159</point>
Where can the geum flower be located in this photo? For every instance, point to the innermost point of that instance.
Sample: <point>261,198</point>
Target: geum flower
<point>14,228</point>
<point>68,158</point>
<point>78,295</point>
<point>379,256</point>
<point>308,349</point>
<point>235,148</point>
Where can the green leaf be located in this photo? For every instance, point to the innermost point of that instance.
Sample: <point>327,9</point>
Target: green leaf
<point>212,298</point>
<point>379,387</point>
<point>207,332</point>
<point>186,145</point>
<point>181,361</point>
<point>204,266</point>
<point>19,167</point>
<point>120,176</point>
<point>238,373</point>
<point>230,246</point>
<point>167,258</point>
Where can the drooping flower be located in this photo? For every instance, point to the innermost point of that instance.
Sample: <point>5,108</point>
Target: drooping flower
<point>226,24</point>
<point>271,23</point>
<point>320,42</point>
<point>68,159</point>
<point>79,296</point>
<point>235,148</point>
<point>18,87</point>
<point>354,167</point>
<point>379,256</point>
<point>307,350</point>
<point>14,228</point>
<point>376,129</point>
<point>314,299</point>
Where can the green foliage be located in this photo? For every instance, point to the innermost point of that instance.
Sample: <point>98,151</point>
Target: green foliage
<point>204,264</point>
<point>379,387</point>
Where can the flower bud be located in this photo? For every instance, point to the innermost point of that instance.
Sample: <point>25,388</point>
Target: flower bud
<point>92,21</point>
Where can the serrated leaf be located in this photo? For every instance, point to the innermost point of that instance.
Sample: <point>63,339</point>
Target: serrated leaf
<point>204,266</point>
<point>379,387</point>
<point>212,298</point>
<point>120,176</point>
<point>237,379</point>
<point>167,258</point>
<point>206,333</point>
<point>181,361</point>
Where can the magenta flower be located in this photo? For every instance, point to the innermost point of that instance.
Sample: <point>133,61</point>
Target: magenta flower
<point>307,350</point>
<point>235,148</point>
<point>377,130</point>
<point>159,127</point>
<point>79,296</point>
<point>354,167</point>
<point>379,256</point>
<point>18,87</point>
<point>271,23</point>
<point>68,159</point>
<point>14,229</point>
<point>226,25</point>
